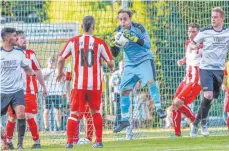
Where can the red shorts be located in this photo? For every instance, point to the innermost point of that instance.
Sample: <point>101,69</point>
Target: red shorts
<point>30,105</point>
<point>80,97</point>
<point>226,101</point>
<point>188,92</point>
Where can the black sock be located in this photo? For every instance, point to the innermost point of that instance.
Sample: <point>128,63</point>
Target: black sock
<point>21,130</point>
<point>203,112</point>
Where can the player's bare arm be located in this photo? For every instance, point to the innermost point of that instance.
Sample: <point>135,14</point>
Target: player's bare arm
<point>28,71</point>
<point>60,69</point>
<point>40,78</point>
<point>181,61</point>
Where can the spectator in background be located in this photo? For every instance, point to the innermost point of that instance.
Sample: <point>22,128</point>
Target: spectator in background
<point>115,92</point>
<point>56,91</point>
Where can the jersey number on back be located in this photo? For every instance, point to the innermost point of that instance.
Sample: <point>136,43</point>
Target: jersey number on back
<point>87,57</point>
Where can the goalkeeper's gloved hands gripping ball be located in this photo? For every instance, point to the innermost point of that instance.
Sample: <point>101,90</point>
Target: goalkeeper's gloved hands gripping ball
<point>129,36</point>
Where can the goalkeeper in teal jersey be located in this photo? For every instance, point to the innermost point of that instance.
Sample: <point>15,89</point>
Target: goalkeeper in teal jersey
<point>139,65</point>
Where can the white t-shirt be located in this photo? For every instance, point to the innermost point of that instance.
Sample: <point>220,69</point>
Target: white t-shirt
<point>12,62</point>
<point>53,87</point>
<point>215,48</point>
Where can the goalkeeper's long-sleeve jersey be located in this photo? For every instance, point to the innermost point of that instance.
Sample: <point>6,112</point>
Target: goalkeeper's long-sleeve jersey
<point>133,52</point>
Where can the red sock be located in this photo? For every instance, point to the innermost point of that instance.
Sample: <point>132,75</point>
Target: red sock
<point>77,132</point>
<point>228,123</point>
<point>185,109</point>
<point>33,129</point>
<point>10,129</point>
<point>89,130</point>
<point>177,122</point>
<point>98,124</point>
<point>73,121</point>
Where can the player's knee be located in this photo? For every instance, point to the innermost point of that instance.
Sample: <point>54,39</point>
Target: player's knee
<point>20,111</point>
<point>177,103</point>
<point>20,115</point>
<point>126,92</point>
<point>208,95</point>
<point>150,82</point>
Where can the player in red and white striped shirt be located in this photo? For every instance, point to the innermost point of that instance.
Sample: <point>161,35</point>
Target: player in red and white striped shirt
<point>87,53</point>
<point>189,88</point>
<point>31,90</point>
<point>89,129</point>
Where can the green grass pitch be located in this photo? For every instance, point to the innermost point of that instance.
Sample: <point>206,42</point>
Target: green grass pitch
<point>211,143</point>
<point>151,140</point>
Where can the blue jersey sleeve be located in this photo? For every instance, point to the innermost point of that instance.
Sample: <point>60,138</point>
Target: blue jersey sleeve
<point>143,34</point>
<point>146,38</point>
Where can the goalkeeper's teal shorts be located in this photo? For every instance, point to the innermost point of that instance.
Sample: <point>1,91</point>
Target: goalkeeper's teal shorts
<point>144,72</point>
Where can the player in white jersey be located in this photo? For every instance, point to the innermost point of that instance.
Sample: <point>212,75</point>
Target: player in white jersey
<point>114,82</point>
<point>31,90</point>
<point>215,41</point>
<point>12,60</point>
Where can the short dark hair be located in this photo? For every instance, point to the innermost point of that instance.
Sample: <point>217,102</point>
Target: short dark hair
<point>194,25</point>
<point>129,12</point>
<point>19,32</point>
<point>88,22</point>
<point>7,30</point>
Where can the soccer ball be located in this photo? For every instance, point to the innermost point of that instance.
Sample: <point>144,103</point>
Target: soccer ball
<point>83,141</point>
<point>120,40</point>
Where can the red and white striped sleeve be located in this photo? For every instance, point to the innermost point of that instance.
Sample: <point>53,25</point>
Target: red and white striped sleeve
<point>106,54</point>
<point>35,63</point>
<point>67,50</point>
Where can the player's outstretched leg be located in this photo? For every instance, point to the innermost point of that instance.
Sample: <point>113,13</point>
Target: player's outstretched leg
<point>125,104</point>
<point>21,124</point>
<point>34,132</point>
<point>10,126</point>
<point>155,95</point>
<point>177,122</point>
<point>201,116</point>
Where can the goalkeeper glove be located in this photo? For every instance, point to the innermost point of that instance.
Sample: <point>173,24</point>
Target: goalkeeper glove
<point>112,40</point>
<point>129,36</point>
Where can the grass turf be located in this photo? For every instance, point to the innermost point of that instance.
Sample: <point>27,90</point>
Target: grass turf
<point>211,143</point>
